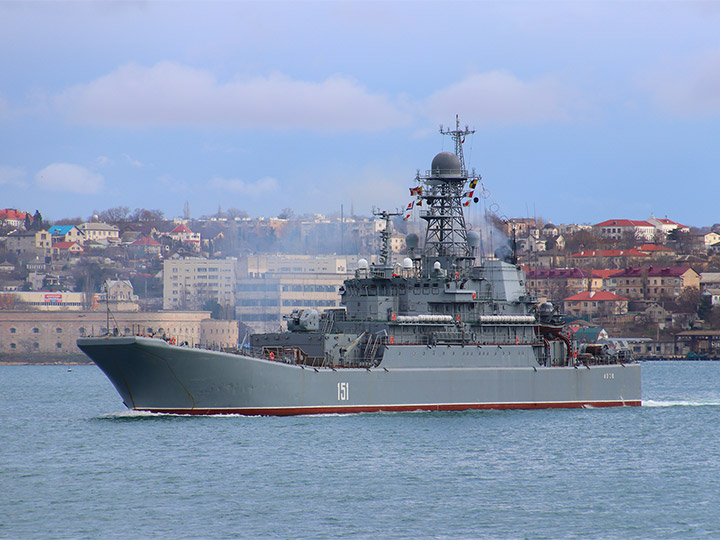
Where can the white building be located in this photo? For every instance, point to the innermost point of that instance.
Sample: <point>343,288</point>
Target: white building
<point>190,282</point>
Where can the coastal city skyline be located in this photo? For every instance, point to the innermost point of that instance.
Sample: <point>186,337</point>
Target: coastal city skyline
<point>579,116</point>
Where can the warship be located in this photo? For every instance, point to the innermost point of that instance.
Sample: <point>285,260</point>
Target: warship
<point>445,329</point>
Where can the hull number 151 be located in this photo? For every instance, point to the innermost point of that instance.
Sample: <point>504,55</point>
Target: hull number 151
<point>343,391</point>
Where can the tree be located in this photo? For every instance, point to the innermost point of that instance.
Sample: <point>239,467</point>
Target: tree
<point>115,215</point>
<point>142,214</point>
<point>689,300</point>
<point>680,241</point>
<point>37,223</point>
<point>233,213</point>
<point>286,213</point>
<point>705,307</point>
<point>28,221</point>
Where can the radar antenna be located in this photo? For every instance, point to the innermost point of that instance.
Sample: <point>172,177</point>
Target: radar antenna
<point>458,136</point>
<point>385,235</point>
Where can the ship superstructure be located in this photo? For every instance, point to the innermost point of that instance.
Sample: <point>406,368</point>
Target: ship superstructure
<point>444,329</point>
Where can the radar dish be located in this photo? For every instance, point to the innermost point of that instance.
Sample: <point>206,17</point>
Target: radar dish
<point>446,164</point>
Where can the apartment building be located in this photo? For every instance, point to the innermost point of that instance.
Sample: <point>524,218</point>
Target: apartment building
<point>655,283</point>
<point>188,283</point>
<point>274,286</point>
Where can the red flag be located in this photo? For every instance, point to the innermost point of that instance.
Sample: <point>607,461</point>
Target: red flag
<point>410,205</point>
<point>466,203</point>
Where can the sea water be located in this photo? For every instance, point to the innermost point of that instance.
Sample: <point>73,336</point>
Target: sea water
<point>75,464</point>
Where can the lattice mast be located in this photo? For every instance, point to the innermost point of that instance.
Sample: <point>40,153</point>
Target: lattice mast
<point>385,234</point>
<point>443,190</point>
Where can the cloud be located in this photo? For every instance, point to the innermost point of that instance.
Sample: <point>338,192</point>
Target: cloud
<point>133,162</point>
<point>104,161</point>
<point>169,94</point>
<point>70,178</point>
<point>259,188</point>
<point>12,176</point>
<point>688,87</point>
<point>500,98</point>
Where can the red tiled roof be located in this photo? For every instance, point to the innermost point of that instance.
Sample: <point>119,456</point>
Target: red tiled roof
<point>145,241</point>
<point>653,247</point>
<point>11,213</point>
<point>605,273</point>
<point>596,296</point>
<point>65,245</point>
<point>623,223</point>
<point>632,252</point>
<point>180,229</point>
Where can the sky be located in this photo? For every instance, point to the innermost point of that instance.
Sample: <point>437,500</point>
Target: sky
<point>583,111</point>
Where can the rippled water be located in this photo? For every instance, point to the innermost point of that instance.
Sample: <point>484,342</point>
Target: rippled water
<point>75,464</point>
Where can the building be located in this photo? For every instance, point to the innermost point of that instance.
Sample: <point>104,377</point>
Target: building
<point>184,236</point>
<point>616,229</point>
<point>655,283</point>
<point>617,258</point>
<point>60,249</point>
<point>144,246</point>
<point>99,232</point>
<point>29,243</point>
<point>45,336</point>
<point>595,304</point>
<point>274,286</point>
<point>9,217</point>
<point>665,226</point>
<point>556,284</point>
<point>66,233</point>
<point>189,283</point>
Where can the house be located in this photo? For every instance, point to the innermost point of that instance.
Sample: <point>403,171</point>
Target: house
<point>9,217</point>
<point>665,226</point>
<point>145,245</point>
<point>656,251</point>
<point>595,303</point>
<point>183,235</point>
<point>101,233</point>
<point>709,280</point>
<point>710,239</point>
<point>29,242</point>
<point>66,249</point>
<point>66,233</point>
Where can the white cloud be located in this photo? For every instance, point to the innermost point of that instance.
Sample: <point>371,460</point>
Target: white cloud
<point>690,86</point>
<point>133,162</point>
<point>12,176</point>
<point>500,98</point>
<point>173,94</point>
<point>104,161</point>
<point>259,188</point>
<point>70,178</point>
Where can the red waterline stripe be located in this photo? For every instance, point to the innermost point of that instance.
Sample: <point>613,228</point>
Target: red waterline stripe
<point>293,411</point>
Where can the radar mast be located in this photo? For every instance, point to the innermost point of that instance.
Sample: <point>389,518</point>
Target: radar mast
<point>446,236</point>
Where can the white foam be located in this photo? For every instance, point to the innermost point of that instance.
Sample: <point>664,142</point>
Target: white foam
<point>653,403</point>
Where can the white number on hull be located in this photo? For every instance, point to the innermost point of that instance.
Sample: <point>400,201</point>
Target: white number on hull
<point>343,391</point>
<point>608,376</point>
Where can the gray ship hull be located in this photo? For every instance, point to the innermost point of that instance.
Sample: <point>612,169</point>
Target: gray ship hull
<point>152,375</point>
